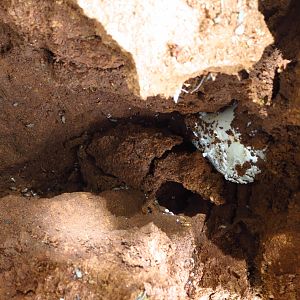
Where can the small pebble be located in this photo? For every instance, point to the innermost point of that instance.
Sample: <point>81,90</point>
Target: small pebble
<point>34,194</point>
<point>78,273</point>
<point>30,125</point>
<point>25,190</point>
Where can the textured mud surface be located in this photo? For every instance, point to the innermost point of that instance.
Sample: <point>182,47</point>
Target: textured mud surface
<point>64,97</point>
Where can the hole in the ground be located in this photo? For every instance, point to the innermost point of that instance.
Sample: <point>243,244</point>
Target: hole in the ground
<point>49,56</point>
<point>179,200</point>
<point>243,74</point>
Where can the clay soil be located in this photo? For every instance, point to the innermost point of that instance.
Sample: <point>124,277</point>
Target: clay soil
<point>89,172</point>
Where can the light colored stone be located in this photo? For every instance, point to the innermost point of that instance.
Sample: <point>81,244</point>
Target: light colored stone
<point>171,41</point>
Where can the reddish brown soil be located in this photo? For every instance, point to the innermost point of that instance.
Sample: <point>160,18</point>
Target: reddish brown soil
<point>63,97</point>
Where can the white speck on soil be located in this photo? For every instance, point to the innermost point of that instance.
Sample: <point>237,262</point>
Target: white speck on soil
<point>78,273</point>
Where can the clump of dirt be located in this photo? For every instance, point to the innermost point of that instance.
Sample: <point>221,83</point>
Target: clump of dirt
<point>89,250</point>
<point>131,148</point>
<point>69,123</point>
<point>146,158</point>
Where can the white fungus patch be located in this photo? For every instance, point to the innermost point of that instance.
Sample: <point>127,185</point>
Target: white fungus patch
<point>221,144</point>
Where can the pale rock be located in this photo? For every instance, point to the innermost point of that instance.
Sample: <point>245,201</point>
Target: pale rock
<point>170,41</point>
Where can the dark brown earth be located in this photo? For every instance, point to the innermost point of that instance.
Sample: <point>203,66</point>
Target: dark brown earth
<point>63,96</point>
